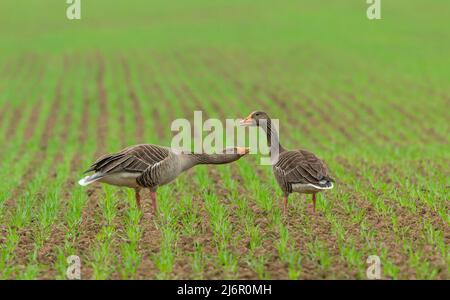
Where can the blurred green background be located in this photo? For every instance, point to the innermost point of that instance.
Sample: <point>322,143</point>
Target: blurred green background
<point>413,36</point>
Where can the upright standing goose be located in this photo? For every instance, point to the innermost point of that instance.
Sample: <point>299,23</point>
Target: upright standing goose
<point>150,166</point>
<point>295,170</point>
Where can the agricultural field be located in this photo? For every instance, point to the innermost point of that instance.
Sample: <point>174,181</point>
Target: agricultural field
<point>371,98</point>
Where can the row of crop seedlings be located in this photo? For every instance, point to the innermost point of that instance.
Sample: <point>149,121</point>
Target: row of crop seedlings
<point>149,90</point>
<point>264,200</point>
<point>202,193</point>
<point>72,205</point>
<point>404,98</point>
<point>12,176</point>
<point>346,107</point>
<point>359,89</point>
<point>108,252</point>
<point>379,110</point>
<point>132,231</point>
<point>348,249</point>
<point>165,219</point>
<point>168,216</point>
<point>390,269</point>
<point>30,209</point>
<point>12,92</point>
<point>350,253</point>
<point>102,257</point>
<point>181,207</point>
<point>105,256</point>
<point>73,214</point>
<point>52,205</point>
<point>246,217</point>
<point>405,197</point>
<point>19,217</point>
<point>431,236</point>
<point>52,201</point>
<point>226,236</point>
<point>16,143</point>
<point>199,197</point>
<point>179,217</point>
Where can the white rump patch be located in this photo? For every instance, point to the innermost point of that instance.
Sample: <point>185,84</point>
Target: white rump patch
<point>311,188</point>
<point>89,179</point>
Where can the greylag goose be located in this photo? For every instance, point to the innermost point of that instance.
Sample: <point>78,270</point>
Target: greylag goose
<point>294,170</point>
<point>151,166</point>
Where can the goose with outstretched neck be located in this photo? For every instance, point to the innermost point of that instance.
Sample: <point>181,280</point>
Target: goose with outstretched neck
<point>150,166</point>
<point>295,170</point>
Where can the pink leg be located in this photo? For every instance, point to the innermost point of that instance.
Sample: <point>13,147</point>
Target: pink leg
<point>314,201</point>
<point>138,198</point>
<point>153,197</point>
<point>285,204</point>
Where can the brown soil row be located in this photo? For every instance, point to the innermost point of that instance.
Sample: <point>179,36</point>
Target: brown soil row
<point>102,119</point>
<point>320,228</point>
<point>348,106</point>
<point>32,120</point>
<point>155,96</point>
<point>383,226</point>
<point>149,245</point>
<point>40,156</point>
<point>26,244</point>
<point>91,214</point>
<point>429,135</point>
<point>411,120</point>
<point>12,126</point>
<point>4,109</point>
<point>136,105</point>
<point>30,124</point>
<point>355,121</point>
<point>253,97</point>
<point>48,253</point>
<point>355,233</point>
<point>368,111</point>
<point>183,265</point>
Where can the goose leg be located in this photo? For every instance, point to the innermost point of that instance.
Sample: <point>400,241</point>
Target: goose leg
<point>153,197</point>
<point>138,197</point>
<point>285,204</point>
<point>314,201</point>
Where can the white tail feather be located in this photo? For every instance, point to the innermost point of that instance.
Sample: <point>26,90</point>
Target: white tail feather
<point>89,179</point>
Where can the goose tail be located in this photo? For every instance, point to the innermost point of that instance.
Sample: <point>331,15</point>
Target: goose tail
<point>90,179</point>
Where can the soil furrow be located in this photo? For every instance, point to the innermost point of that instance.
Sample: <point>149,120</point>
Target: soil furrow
<point>139,119</point>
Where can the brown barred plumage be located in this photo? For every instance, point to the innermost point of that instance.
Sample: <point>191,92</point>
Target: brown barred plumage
<point>294,170</point>
<point>150,166</point>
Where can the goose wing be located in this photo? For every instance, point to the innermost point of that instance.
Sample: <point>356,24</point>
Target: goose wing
<point>301,166</point>
<point>132,159</point>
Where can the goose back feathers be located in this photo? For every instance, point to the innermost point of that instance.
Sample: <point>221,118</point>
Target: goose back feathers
<point>301,171</point>
<point>150,166</point>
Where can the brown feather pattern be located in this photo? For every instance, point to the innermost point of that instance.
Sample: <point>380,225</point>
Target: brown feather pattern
<point>299,166</point>
<point>292,166</point>
<point>132,159</point>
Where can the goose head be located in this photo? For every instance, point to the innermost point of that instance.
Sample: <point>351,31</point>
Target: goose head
<point>254,118</point>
